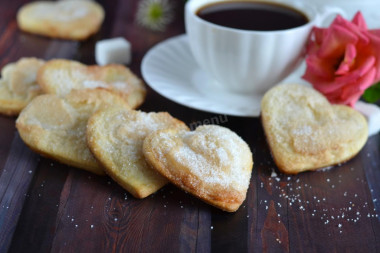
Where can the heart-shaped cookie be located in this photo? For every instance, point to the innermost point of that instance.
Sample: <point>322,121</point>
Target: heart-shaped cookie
<point>75,20</point>
<point>18,85</point>
<point>56,127</point>
<point>115,136</point>
<point>60,76</point>
<point>213,163</point>
<point>305,132</point>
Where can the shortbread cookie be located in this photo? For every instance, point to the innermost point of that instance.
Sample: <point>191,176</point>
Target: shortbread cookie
<point>61,76</point>
<point>115,136</point>
<point>18,85</point>
<point>56,127</point>
<point>212,163</point>
<point>305,132</point>
<point>73,20</point>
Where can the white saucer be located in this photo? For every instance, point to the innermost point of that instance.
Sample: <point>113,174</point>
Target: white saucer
<point>170,69</point>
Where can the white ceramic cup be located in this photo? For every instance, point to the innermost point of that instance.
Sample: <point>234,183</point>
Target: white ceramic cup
<point>249,62</point>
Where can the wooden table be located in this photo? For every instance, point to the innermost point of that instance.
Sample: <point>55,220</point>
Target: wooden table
<point>47,206</point>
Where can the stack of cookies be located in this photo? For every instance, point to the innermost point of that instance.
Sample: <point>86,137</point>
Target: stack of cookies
<point>84,116</point>
<point>29,77</point>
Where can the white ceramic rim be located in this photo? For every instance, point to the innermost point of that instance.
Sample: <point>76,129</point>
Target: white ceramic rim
<point>307,9</point>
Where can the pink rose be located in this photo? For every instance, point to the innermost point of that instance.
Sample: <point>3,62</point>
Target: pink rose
<point>343,60</point>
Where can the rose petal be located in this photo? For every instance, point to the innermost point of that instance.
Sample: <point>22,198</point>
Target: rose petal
<point>365,66</point>
<point>319,34</point>
<point>344,68</point>
<point>334,85</point>
<point>333,98</point>
<point>367,80</point>
<point>335,42</point>
<point>312,47</point>
<point>359,21</point>
<point>355,89</point>
<point>331,86</point>
<point>318,67</point>
<point>353,99</point>
<point>375,50</point>
<point>348,60</point>
<point>375,32</point>
<point>353,28</point>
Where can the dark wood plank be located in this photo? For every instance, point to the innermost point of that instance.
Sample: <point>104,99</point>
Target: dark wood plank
<point>15,178</point>
<point>37,224</point>
<point>7,132</point>
<point>370,157</point>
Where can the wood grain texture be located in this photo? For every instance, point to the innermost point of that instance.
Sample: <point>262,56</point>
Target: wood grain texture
<point>15,178</point>
<point>57,208</point>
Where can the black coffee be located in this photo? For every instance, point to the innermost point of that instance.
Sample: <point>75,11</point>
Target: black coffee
<point>250,15</point>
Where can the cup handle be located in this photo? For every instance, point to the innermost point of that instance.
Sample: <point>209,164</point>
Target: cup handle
<point>328,12</point>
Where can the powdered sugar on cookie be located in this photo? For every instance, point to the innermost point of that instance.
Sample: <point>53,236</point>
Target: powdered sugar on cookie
<point>62,11</point>
<point>76,20</point>
<point>115,136</point>
<point>306,132</point>
<point>209,154</point>
<point>212,162</point>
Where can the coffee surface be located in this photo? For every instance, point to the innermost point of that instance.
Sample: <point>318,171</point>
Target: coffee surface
<point>256,16</point>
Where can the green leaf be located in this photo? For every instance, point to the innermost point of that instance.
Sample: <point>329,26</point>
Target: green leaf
<point>372,94</point>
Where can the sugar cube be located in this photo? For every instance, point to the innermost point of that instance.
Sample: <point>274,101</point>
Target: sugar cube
<point>115,50</point>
